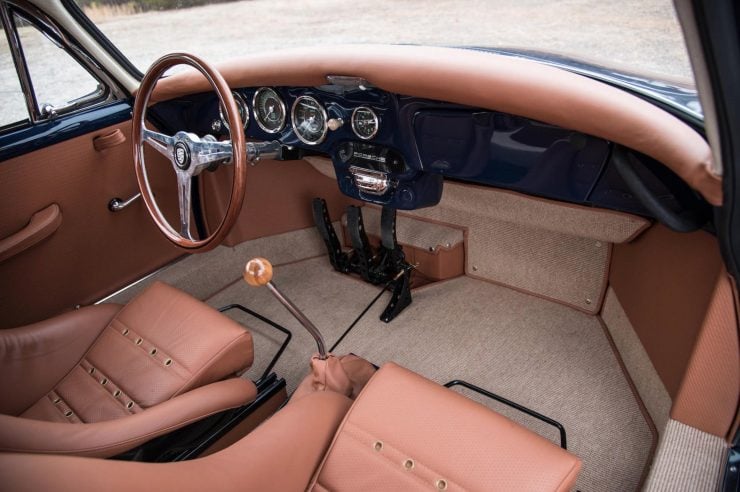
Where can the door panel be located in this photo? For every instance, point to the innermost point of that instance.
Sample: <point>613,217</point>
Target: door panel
<point>94,251</point>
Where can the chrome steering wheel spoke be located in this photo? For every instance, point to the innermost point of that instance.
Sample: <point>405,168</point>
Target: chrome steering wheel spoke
<point>188,152</point>
<point>164,144</point>
<point>184,190</point>
<point>189,155</point>
<point>208,150</point>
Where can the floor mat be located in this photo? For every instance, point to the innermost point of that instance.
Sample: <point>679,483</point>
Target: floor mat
<point>546,356</point>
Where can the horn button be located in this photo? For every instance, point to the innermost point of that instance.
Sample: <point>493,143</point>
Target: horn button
<point>182,155</point>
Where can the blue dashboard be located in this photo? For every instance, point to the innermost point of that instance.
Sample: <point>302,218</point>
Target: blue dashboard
<point>419,143</point>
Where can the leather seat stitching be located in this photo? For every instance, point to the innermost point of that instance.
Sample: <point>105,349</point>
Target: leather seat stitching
<point>86,365</point>
<point>360,435</point>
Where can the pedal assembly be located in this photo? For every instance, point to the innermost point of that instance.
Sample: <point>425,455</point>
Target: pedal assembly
<point>385,265</point>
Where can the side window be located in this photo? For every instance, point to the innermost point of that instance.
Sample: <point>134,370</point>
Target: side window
<point>47,80</point>
<point>12,100</point>
<point>58,80</point>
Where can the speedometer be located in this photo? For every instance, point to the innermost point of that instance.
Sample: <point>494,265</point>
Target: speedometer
<point>309,120</point>
<point>269,110</point>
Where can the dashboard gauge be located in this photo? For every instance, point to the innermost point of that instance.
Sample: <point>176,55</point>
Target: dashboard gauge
<point>365,122</point>
<point>269,110</point>
<point>241,106</point>
<point>309,120</point>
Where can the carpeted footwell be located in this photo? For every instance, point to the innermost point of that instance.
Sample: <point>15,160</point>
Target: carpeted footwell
<point>549,357</point>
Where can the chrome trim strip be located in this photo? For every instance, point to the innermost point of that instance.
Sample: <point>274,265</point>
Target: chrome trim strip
<point>19,60</point>
<point>111,91</point>
<point>132,284</point>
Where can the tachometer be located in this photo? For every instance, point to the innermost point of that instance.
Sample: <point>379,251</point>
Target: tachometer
<point>269,110</point>
<point>243,111</point>
<point>309,120</point>
<point>365,122</point>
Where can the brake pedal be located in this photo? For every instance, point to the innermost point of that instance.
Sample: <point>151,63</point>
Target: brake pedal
<point>363,253</point>
<point>338,259</point>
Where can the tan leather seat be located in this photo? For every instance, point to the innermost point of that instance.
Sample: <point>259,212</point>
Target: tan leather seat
<point>104,379</point>
<point>405,432</point>
<point>402,433</point>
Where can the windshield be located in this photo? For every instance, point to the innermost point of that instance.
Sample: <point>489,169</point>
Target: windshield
<point>636,36</point>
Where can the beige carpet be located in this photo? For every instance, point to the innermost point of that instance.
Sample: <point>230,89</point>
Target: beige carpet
<point>549,357</point>
<point>203,275</point>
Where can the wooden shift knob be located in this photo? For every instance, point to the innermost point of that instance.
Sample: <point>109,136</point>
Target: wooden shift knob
<point>258,272</point>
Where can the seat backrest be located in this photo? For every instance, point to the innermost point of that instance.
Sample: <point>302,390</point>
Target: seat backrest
<point>161,344</point>
<point>405,432</point>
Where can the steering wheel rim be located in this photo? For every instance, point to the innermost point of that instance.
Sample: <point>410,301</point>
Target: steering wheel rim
<point>189,155</point>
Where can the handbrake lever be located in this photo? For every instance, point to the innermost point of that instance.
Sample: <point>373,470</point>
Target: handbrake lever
<point>258,272</point>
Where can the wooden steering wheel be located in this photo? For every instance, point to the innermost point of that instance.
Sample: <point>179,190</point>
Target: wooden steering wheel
<point>190,155</point>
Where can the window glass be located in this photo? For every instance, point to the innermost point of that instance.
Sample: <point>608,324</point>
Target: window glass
<point>12,101</point>
<point>57,78</point>
<point>641,36</point>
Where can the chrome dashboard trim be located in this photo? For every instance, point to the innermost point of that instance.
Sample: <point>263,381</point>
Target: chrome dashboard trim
<point>369,181</point>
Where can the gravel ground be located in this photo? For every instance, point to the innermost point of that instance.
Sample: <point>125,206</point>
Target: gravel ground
<point>642,35</point>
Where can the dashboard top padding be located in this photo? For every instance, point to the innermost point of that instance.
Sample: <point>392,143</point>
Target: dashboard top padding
<point>483,80</point>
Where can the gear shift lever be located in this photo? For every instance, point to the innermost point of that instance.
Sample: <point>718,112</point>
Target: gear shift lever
<point>258,272</point>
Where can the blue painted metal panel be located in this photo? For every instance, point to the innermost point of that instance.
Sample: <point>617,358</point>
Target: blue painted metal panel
<point>36,136</point>
<point>438,141</point>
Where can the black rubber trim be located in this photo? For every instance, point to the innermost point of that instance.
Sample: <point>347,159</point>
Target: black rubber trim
<point>626,163</point>
<point>512,404</point>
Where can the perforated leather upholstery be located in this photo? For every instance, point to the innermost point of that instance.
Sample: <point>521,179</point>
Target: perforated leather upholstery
<point>453,443</point>
<point>405,432</point>
<point>161,345</point>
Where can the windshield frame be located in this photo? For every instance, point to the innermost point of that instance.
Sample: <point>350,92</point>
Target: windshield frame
<point>94,31</point>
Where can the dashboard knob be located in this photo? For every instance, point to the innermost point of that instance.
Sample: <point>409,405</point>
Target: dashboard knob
<point>335,124</point>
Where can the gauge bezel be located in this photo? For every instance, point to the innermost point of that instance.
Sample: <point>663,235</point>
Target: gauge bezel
<point>354,126</point>
<point>239,100</point>
<point>325,129</point>
<point>257,114</point>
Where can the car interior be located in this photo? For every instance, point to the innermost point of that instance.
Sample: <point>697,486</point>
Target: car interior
<point>360,267</point>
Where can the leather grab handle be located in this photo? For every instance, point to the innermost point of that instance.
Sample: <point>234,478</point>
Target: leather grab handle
<point>42,225</point>
<point>103,142</point>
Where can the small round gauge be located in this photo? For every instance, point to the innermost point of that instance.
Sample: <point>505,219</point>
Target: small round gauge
<point>365,122</point>
<point>269,110</point>
<point>241,106</point>
<point>309,120</point>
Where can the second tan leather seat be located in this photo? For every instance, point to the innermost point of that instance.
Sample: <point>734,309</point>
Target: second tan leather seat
<point>103,379</point>
<point>407,433</point>
<point>403,433</point>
